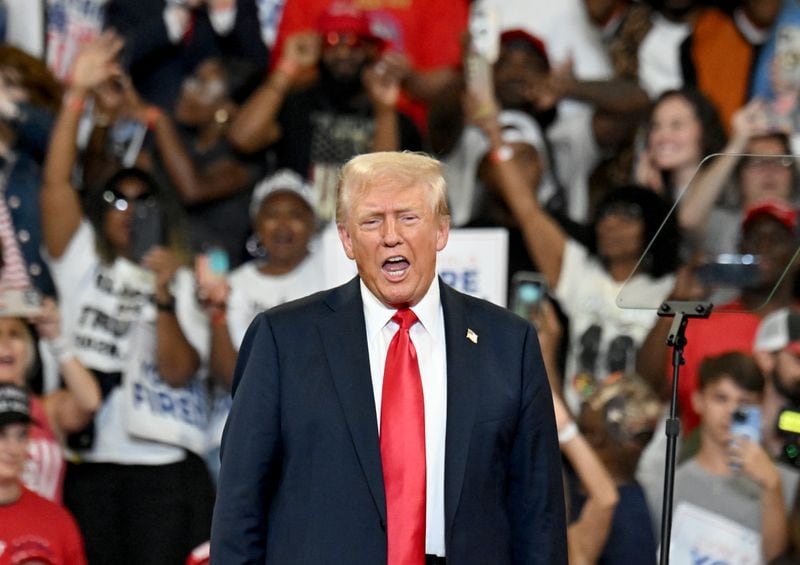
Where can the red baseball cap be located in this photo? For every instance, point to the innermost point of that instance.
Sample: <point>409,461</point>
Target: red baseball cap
<point>778,209</point>
<point>518,34</point>
<point>344,17</point>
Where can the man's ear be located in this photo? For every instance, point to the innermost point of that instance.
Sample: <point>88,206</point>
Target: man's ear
<point>344,237</point>
<point>765,361</point>
<point>697,401</point>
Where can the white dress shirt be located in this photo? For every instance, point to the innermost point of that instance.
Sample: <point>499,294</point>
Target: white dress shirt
<point>428,339</point>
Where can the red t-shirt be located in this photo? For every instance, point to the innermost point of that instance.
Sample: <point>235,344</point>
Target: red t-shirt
<point>33,528</point>
<point>722,332</point>
<point>428,32</point>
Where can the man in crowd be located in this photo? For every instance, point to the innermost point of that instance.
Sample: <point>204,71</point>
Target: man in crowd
<point>353,441</point>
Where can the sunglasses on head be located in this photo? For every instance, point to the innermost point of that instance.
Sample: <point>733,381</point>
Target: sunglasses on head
<point>627,210</point>
<point>119,201</point>
<point>334,38</point>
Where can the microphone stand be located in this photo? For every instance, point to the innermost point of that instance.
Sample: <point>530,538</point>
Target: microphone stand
<point>681,312</point>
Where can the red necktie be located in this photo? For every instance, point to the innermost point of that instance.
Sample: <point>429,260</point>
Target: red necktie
<point>403,447</point>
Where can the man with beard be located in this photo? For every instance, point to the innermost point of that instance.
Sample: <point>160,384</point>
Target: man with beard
<point>777,351</point>
<point>348,109</point>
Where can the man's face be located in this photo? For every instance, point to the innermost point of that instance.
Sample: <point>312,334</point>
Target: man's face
<point>393,234</point>
<point>516,73</point>
<point>772,242</point>
<point>716,404</point>
<point>344,55</point>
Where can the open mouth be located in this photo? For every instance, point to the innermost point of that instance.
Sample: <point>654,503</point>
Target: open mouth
<point>395,267</point>
<point>6,360</point>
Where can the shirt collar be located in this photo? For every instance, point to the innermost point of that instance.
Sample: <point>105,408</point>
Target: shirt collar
<point>377,314</point>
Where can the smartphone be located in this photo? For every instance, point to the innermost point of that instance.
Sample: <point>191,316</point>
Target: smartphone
<point>730,270</point>
<point>210,269</point>
<point>746,422</point>
<point>147,229</point>
<point>528,291</point>
<point>484,30</point>
<point>20,302</point>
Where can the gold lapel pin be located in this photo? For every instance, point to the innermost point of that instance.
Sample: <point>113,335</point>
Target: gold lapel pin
<point>472,336</point>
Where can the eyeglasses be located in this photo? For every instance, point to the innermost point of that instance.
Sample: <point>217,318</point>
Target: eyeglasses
<point>768,161</point>
<point>333,38</point>
<point>120,202</point>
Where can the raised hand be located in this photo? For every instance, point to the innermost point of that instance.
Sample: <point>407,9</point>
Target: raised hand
<point>750,121</point>
<point>164,264</point>
<point>48,320</point>
<point>301,51</point>
<point>97,61</point>
<point>383,88</point>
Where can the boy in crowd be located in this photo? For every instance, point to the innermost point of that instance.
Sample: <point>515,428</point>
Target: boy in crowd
<point>32,529</point>
<point>731,478</point>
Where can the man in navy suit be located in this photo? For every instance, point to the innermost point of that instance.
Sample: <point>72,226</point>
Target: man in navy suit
<point>304,473</point>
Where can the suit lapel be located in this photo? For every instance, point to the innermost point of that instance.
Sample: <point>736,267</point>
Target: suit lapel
<point>462,396</point>
<point>344,337</point>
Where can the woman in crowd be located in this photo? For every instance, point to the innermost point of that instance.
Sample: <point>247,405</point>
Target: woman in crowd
<point>756,165</point>
<point>212,180</point>
<point>282,215</point>
<point>29,98</point>
<point>137,492</point>
<point>57,413</point>
<point>586,280</point>
<point>684,128</point>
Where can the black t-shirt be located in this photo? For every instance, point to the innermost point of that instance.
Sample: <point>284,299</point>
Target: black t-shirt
<point>318,128</point>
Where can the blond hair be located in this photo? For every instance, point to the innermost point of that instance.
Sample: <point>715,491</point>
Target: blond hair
<point>400,169</point>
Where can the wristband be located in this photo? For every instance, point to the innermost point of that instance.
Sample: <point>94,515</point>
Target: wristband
<point>219,317</point>
<point>289,68</point>
<point>569,432</point>
<point>501,154</point>
<point>60,349</point>
<point>75,103</point>
<point>168,306</point>
<point>151,116</point>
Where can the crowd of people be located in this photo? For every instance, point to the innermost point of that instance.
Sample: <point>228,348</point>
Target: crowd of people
<point>168,168</point>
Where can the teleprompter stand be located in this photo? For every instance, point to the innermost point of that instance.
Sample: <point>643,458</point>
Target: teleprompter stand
<point>681,312</point>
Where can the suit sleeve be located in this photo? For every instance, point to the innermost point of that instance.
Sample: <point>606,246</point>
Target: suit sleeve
<point>536,496</point>
<point>251,454</point>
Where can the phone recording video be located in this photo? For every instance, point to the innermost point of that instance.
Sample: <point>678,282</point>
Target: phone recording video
<point>528,291</point>
<point>147,228</point>
<point>746,422</point>
<point>731,270</point>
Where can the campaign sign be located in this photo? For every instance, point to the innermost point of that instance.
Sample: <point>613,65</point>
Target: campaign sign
<point>700,537</point>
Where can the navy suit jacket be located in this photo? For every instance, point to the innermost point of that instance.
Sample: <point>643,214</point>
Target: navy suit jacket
<point>301,478</point>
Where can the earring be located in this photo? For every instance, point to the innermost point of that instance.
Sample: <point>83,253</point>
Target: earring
<point>221,116</point>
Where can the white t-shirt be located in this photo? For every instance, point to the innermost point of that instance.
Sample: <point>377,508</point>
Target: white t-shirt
<point>251,293</point>
<point>660,56</point>
<point>101,306</point>
<point>603,337</point>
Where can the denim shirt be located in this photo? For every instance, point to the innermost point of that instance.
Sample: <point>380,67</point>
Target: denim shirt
<point>21,194</point>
